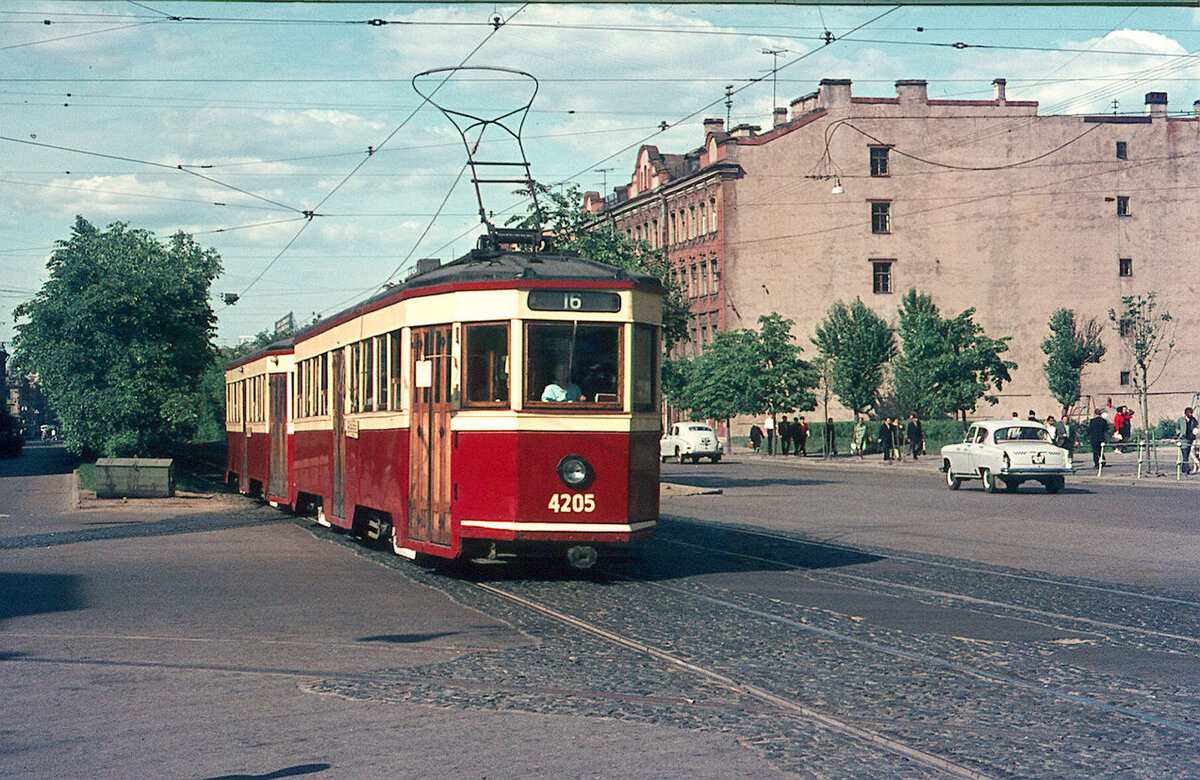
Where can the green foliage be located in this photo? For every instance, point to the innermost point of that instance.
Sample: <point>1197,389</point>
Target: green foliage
<point>575,230</point>
<point>945,366</point>
<point>859,345</point>
<point>1068,348</point>
<point>744,372</point>
<point>120,336</point>
<point>1143,331</point>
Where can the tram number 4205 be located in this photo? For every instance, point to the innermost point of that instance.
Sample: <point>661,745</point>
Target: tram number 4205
<point>572,502</point>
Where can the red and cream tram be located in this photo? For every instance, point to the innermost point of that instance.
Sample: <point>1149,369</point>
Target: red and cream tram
<point>257,429</point>
<point>504,402</point>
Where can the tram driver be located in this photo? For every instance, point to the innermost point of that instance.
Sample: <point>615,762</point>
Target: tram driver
<point>562,388</point>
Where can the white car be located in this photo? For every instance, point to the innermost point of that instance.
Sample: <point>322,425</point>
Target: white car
<point>1006,453</point>
<point>690,440</point>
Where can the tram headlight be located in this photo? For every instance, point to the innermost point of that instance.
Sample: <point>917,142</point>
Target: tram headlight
<point>575,472</point>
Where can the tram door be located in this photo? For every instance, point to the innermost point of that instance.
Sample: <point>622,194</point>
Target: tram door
<point>244,402</point>
<point>338,410</point>
<point>429,437</point>
<point>277,437</point>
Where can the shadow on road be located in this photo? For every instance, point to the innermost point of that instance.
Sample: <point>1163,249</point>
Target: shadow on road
<point>34,594</point>
<point>38,460</point>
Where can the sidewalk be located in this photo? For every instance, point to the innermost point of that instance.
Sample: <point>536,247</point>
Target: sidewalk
<point>1119,468</point>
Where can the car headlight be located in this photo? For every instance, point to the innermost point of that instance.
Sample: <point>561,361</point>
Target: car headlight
<point>575,472</point>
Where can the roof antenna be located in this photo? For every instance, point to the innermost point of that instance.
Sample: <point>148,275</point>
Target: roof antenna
<point>505,126</point>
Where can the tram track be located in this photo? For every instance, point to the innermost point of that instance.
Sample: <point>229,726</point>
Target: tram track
<point>830,671</point>
<point>817,717</point>
<point>884,585</point>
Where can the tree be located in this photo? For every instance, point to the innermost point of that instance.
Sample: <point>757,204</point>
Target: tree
<point>1143,332</point>
<point>1070,347</point>
<point>858,345</point>
<point>575,230</point>
<point>745,372</point>
<point>945,366</point>
<point>120,336</point>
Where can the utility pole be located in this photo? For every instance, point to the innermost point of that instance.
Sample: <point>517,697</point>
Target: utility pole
<point>728,106</point>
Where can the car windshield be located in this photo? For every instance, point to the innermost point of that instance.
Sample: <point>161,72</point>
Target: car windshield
<point>1022,433</point>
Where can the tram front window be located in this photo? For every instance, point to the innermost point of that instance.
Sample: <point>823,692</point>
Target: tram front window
<point>573,363</point>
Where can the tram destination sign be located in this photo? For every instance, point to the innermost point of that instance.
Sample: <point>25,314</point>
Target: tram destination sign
<point>574,300</point>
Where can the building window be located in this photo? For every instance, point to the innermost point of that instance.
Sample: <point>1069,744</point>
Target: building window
<point>881,276</point>
<point>881,217</point>
<point>879,161</point>
<point>1123,206</point>
<point>1122,150</point>
<point>1125,266</point>
<point>1124,378</point>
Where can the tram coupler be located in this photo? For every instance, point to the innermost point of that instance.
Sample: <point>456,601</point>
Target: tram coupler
<point>582,556</point>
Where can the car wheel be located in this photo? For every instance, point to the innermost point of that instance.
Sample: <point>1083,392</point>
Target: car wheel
<point>716,458</point>
<point>989,481</point>
<point>952,481</point>
<point>1054,484</point>
<point>679,456</point>
<point>663,457</point>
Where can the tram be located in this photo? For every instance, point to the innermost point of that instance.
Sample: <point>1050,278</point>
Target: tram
<point>503,403</point>
<point>257,423</point>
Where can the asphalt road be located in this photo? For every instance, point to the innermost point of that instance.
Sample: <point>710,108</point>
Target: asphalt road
<point>1139,532</point>
<point>1006,635</point>
<point>185,642</point>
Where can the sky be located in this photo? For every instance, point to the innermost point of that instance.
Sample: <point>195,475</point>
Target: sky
<point>290,138</point>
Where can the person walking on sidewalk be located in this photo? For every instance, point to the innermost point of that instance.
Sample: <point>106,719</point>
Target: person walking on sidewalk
<point>861,437</point>
<point>1187,430</point>
<point>1097,431</point>
<point>916,436</point>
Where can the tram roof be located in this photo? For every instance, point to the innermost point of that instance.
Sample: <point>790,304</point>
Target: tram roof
<point>280,347</point>
<point>493,267</point>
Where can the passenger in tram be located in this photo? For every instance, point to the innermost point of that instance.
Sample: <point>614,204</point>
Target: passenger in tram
<point>562,388</point>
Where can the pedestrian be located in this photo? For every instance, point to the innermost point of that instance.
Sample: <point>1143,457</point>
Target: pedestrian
<point>784,431</point>
<point>1058,432</point>
<point>860,438</point>
<point>830,437</point>
<point>769,427</point>
<point>1187,429</point>
<point>885,439</point>
<point>1126,424</point>
<point>800,434</point>
<point>756,436</point>
<point>1097,431</point>
<point>916,436</point>
<point>1033,416</point>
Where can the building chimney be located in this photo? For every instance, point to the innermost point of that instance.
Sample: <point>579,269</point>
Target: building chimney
<point>1156,104</point>
<point>427,264</point>
<point>912,91</point>
<point>834,92</point>
<point>998,87</point>
<point>779,117</point>
<point>714,126</point>
<point>1196,109</point>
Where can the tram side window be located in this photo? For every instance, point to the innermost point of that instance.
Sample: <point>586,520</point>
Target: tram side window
<point>645,368</point>
<point>573,363</point>
<point>396,343</point>
<point>486,364</point>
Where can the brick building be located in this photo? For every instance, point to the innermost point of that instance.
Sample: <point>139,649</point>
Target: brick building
<point>980,203</point>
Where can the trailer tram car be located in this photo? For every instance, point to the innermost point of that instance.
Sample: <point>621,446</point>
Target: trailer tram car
<point>507,402</point>
<point>257,423</point>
